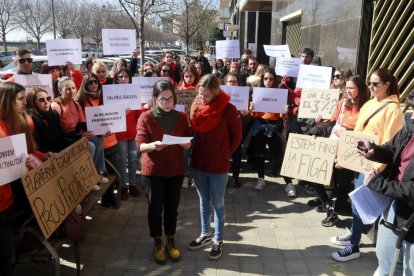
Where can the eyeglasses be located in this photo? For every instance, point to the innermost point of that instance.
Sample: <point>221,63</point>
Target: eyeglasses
<point>270,79</point>
<point>164,100</point>
<point>25,60</point>
<point>165,71</point>
<point>45,100</point>
<point>375,84</point>
<point>337,76</point>
<point>92,82</point>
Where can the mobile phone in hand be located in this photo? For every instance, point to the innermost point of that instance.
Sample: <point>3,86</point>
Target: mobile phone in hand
<point>361,146</point>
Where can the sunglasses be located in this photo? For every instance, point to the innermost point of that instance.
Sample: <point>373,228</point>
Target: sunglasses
<point>25,60</point>
<point>165,71</point>
<point>375,84</point>
<point>337,76</point>
<point>92,82</point>
<point>45,100</point>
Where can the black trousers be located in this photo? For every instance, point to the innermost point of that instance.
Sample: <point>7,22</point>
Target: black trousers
<point>7,242</point>
<point>163,194</point>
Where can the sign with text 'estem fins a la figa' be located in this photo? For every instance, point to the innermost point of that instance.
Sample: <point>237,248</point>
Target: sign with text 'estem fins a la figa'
<point>314,102</point>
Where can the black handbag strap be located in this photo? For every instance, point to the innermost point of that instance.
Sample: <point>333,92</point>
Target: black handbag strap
<point>378,110</point>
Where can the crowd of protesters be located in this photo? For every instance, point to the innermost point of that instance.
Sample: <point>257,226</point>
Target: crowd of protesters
<point>220,134</point>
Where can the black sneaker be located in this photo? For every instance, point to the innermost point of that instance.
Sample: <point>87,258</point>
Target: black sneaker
<point>200,242</point>
<point>314,202</point>
<point>216,250</point>
<point>347,253</point>
<point>330,221</point>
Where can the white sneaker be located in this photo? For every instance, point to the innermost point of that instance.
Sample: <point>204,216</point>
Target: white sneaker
<point>96,188</point>
<point>342,240</point>
<point>290,190</point>
<point>260,184</point>
<point>103,180</point>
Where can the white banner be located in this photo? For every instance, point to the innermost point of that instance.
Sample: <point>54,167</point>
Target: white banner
<point>118,41</point>
<point>13,153</point>
<point>271,100</point>
<point>227,49</point>
<point>311,76</point>
<point>146,85</point>
<point>288,66</point>
<point>43,81</point>
<point>105,118</point>
<point>239,96</point>
<point>59,51</point>
<point>277,50</point>
<point>122,94</point>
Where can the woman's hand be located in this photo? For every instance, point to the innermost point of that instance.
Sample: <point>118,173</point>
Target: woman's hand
<point>318,119</point>
<point>150,104</point>
<point>364,148</point>
<point>187,145</point>
<point>88,134</point>
<point>48,155</point>
<point>370,173</point>
<point>251,107</point>
<point>157,145</point>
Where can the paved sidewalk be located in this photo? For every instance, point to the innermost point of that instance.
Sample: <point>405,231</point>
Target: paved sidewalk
<point>266,233</point>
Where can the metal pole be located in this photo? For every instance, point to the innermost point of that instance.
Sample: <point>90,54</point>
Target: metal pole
<point>54,22</point>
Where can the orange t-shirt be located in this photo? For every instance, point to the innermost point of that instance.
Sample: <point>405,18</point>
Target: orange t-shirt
<point>70,115</point>
<point>349,115</point>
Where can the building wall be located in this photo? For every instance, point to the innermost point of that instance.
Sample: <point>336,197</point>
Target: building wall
<point>330,27</point>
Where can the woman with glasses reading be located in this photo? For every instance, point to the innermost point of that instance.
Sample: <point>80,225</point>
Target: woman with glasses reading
<point>162,167</point>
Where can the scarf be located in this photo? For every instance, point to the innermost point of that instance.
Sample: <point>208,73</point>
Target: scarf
<point>205,117</point>
<point>167,120</point>
<point>95,95</point>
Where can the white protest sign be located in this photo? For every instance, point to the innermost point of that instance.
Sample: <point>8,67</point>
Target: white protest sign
<point>288,66</point>
<point>13,153</point>
<point>122,94</point>
<point>311,76</point>
<point>43,81</point>
<point>347,155</point>
<point>145,86</point>
<point>277,50</point>
<point>271,100</point>
<point>104,118</point>
<point>118,41</point>
<point>179,107</point>
<point>175,140</point>
<point>59,51</point>
<point>314,102</point>
<point>239,96</point>
<point>309,158</point>
<point>227,49</point>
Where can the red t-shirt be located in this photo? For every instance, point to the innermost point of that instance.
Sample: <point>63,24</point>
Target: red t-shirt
<point>406,156</point>
<point>70,115</point>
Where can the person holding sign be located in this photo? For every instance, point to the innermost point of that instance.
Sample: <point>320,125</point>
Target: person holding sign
<point>381,116</point>
<point>218,134</point>
<point>162,167</point>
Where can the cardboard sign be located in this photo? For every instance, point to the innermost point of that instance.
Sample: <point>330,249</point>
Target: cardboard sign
<point>311,76</point>
<point>269,99</point>
<point>146,85</point>
<point>56,187</point>
<point>227,49</point>
<point>118,41</point>
<point>239,96</point>
<point>347,154</point>
<point>186,98</point>
<point>122,94</point>
<point>105,118</point>
<point>13,153</point>
<point>43,81</point>
<point>309,158</point>
<point>314,102</point>
<point>60,51</point>
<point>277,50</point>
<point>288,66</point>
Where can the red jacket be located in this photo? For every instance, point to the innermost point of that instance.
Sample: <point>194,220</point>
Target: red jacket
<point>212,150</point>
<point>131,126</point>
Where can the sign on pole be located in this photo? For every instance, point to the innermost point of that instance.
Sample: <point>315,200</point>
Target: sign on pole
<point>60,51</point>
<point>118,41</point>
<point>314,102</point>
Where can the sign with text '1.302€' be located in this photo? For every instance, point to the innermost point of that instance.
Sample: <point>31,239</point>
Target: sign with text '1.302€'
<point>309,158</point>
<point>57,186</point>
<point>314,102</point>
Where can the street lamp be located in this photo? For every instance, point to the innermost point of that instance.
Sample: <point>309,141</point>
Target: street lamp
<point>54,21</point>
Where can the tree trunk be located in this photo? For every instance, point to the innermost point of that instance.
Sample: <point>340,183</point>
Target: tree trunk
<point>141,30</point>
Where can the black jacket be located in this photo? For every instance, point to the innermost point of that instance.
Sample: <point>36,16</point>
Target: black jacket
<point>387,183</point>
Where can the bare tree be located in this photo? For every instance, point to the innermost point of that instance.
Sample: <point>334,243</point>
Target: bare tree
<point>66,12</point>
<point>8,12</point>
<point>35,18</point>
<point>98,22</point>
<point>82,23</point>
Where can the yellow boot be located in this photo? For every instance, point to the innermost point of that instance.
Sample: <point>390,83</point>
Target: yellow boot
<point>158,252</point>
<point>172,251</point>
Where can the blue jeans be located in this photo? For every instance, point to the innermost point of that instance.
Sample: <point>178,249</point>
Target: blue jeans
<point>357,227</point>
<point>211,188</point>
<point>129,154</point>
<point>98,157</point>
<point>385,248</point>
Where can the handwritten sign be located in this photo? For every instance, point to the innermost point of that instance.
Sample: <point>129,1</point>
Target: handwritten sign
<point>315,102</point>
<point>311,76</point>
<point>186,98</point>
<point>13,152</point>
<point>277,50</point>
<point>227,49</point>
<point>104,118</point>
<point>239,96</point>
<point>347,154</point>
<point>118,41</point>
<point>146,85</point>
<point>180,107</point>
<point>43,81</point>
<point>309,158</point>
<point>56,187</point>
<point>288,66</point>
<point>60,51</point>
<point>122,94</point>
<point>269,99</point>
